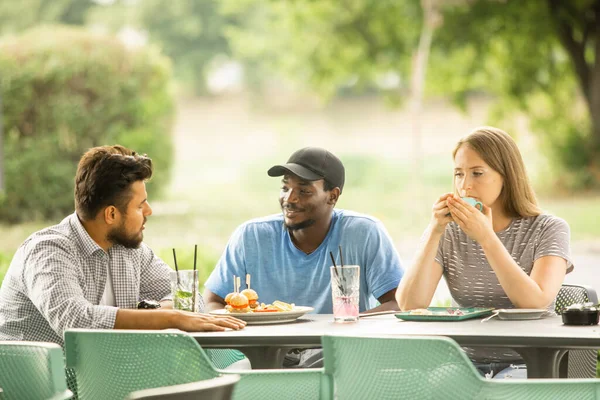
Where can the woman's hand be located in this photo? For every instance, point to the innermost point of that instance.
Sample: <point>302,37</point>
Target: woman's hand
<point>476,224</point>
<point>441,214</point>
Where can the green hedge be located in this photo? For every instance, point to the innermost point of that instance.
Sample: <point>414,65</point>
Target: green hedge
<point>65,90</point>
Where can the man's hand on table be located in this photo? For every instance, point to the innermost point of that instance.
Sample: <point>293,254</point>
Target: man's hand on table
<point>206,322</point>
<point>169,319</point>
<point>192,322</point>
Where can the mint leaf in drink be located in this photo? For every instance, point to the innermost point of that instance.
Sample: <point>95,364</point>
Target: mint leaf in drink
<point>183,294</point>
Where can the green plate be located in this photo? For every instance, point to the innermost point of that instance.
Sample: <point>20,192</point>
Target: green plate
<point>445,314</point>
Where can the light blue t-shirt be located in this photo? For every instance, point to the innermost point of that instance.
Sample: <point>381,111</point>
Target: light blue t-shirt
<point>280,271</point>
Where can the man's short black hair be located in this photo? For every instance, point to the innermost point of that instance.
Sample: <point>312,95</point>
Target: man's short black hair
<point>104,177</point>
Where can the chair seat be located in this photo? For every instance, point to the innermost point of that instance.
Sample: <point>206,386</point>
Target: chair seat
<point>220,388</point>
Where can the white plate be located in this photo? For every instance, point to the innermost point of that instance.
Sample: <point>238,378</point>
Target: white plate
<point>521,313</point>
<point>275,317</point>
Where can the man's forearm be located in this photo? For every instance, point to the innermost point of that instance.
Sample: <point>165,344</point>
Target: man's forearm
<point>183,320</point>
<point>145,319</point>
<point>166,304</point>
<point>387,306</point>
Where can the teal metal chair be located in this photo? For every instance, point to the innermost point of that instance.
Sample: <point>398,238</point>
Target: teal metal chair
<point>576,363</point>
<point>223,358</point>
<point>110,364</point>
<point>32,370</point>
<point>429,368</point>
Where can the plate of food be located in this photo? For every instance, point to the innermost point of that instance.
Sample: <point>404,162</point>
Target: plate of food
<point>245,306</point>
<point>444,313</point>
<point>278,312</point>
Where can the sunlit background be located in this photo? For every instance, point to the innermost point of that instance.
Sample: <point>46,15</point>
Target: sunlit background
<point>216,92</point>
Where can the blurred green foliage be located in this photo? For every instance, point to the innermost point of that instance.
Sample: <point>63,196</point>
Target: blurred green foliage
<point>16,16</point>
<point>65,90</point>
<point>536,57</point>
<point>325,45</point>
<point>190,32</point>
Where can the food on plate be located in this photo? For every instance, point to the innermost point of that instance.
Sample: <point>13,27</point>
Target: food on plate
<point>283,306</point>
<point>247,300</point>
<point>238,304</point>
<point>421,311</point>
<point>265,308</point>
<point>250,294</point>
<point>235,303</point>
<point>454,311</point>
<point>252,297</point>
<point>236,290</point>
<point>275,307</point>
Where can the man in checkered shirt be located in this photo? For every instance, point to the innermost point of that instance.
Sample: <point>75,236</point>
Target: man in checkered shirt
<point>90,270</point>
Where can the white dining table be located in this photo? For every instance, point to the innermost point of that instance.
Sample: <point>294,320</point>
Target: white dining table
<point>540,342</point>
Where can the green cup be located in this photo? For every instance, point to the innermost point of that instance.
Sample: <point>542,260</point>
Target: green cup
<point>474,202</point>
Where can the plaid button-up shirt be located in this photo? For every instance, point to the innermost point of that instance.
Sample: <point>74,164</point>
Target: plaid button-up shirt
<point>57,278</point>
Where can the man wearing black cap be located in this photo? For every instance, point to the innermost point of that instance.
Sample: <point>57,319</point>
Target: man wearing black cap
<point>288,254</point>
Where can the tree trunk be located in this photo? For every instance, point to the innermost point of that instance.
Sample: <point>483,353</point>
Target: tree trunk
<point>587,72</point>
<point>431,20</point>
<point>594,151</point>
<point>594,107</point>
<point>594,103</point>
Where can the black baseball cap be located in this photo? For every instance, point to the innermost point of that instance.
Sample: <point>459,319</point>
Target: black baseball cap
<point>312,164</point>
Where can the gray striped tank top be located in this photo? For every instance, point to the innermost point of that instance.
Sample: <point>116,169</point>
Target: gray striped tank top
<point>472,281</point>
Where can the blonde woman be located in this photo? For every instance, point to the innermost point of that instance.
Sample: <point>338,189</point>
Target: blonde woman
<point>508,255</point>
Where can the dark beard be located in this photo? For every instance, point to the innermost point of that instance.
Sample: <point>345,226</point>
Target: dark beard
<point>119,236</point>
<point>300,225</point>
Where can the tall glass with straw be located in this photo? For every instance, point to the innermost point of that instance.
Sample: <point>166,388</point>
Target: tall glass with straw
<point>345,290</point>
<point>184,287</point>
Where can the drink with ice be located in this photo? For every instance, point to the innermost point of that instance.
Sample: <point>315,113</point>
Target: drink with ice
<point>345,306</point>
<point>183,284</point>
<point>345,285</point>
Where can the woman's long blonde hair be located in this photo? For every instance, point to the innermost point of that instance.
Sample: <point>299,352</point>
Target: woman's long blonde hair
<point>501,153</point>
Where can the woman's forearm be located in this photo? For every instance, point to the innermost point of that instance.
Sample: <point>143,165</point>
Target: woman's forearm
<point>420,281</point>
<point>520,288</point>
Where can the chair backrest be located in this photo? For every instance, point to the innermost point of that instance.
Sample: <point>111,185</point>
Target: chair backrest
<point>110,364</point>
<point>577,363</point>
<point>399,367</point>
<point>404,367</point>
<point>32,370</point>
<point>573,294</point>
<point>220,388</point>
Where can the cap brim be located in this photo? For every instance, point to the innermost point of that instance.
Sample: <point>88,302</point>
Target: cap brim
<point>296,169</point>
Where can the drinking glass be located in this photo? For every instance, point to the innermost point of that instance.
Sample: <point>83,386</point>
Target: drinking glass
<point>182,287</point>
<point>345,285</point>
